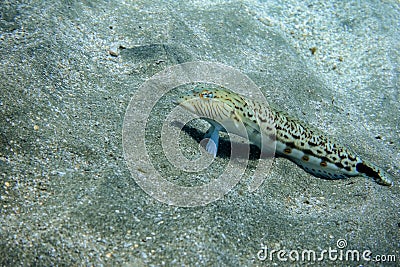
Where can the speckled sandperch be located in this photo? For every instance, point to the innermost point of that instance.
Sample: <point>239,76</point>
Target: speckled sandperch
<point>268,128</point>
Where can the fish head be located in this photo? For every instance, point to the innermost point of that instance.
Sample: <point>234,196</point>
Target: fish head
<point>211,103</point>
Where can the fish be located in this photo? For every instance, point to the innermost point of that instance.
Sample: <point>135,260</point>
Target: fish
<point>277,133</point>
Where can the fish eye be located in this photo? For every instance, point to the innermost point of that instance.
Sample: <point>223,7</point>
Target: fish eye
<point>206,94</point>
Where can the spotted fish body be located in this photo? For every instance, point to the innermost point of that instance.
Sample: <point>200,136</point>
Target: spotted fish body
<point>275,132</point>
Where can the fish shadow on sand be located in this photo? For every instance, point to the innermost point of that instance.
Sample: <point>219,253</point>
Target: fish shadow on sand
<point>227,148</point>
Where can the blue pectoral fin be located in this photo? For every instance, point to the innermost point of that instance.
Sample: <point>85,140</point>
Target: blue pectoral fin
<point>212,144</point>
<point>212,148</point>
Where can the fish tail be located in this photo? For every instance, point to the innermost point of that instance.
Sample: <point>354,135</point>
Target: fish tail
<point>370,170</point>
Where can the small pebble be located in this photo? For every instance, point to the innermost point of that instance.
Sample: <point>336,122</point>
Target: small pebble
<point>313,50</point>
<point>113,51</point>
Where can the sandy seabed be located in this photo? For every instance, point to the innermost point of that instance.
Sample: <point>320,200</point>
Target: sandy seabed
<point>69,70</point>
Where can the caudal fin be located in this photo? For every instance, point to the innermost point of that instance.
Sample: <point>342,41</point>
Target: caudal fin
<point>372,171</point>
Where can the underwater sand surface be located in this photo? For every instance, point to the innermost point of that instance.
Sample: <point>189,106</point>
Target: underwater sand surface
<point>69,70</point>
